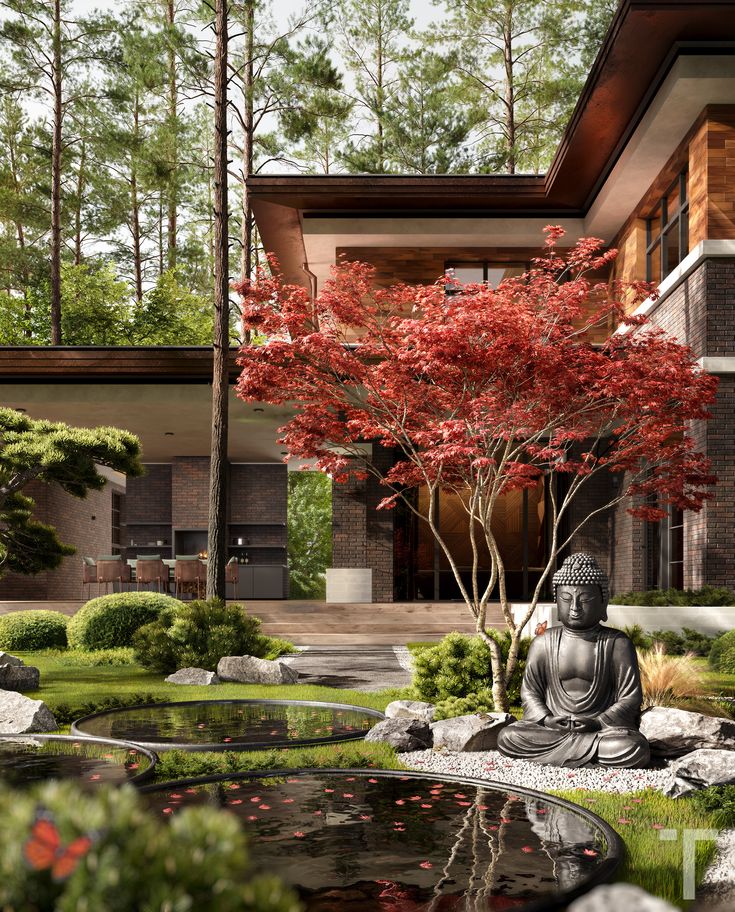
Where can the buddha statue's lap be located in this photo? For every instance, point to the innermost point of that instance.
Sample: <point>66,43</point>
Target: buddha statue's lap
<point>581,689</point>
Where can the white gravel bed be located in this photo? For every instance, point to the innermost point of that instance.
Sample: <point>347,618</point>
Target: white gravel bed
<point>717,890</point>
<point>404,658</point>
<point>539,776</point>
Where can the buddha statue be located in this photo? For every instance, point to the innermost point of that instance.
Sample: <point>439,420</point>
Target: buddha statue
<point>581,690</point>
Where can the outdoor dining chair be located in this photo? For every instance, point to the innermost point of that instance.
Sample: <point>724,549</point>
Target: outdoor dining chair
<point>189,573</point>
<point>89,574</point>
<point>112,570</point>
<point>151,570</point>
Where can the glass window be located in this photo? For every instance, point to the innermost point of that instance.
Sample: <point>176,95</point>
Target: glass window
<point>485,272</point>
<point>115,537</point>
<point>667,232</point>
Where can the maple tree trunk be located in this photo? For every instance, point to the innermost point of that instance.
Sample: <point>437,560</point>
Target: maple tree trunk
<point>216,541</point>
<point>56,182</point>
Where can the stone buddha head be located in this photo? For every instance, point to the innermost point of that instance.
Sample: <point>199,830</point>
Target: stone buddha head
<point>581,592</point>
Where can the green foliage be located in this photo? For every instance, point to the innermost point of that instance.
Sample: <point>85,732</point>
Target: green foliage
<point>94,305</point>
<point>651,598</point>
<point>137,861</point>
<point>65,713</point>
<point>53,453</point>
<point>677,644</point>
<point>110,621</point>
<point>98,658</point>
<point>722,654</point>
<point>309,533</point>
<point>462,706</point>
<point>28,630</point>
<point>460,665</point>
<point>199,634</point>
<point>719,801</point>
<point>171,314</point>
<point>638,636</point>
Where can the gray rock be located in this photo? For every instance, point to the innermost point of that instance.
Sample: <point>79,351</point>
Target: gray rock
<point>19,677</point>
<point>249,670</point>
<point>193,676</point>
<point>7,659</point>
<point>19,714</point>
<point>701,769</point>
<point>613,897</point>
<point>474,732</point>
<point>673,732</point>
<point>410,709</point>
<point>402,734</point>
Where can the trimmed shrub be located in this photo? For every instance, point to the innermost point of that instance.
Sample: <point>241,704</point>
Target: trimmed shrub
<point>110,621</point>
<point>196,859</point>
<point>460,665</point>
<point>199,634</point>
<point>462,706</point>
<point>651,598</point>
<point>32,630</point>
<point>722,654</point>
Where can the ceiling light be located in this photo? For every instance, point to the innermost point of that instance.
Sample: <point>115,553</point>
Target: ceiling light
<point>168,434</point>
<point>20,410</point>
<point>258,410</point>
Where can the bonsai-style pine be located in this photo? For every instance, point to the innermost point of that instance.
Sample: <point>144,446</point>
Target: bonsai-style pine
<point>483,393</point>
<point>52,453</point>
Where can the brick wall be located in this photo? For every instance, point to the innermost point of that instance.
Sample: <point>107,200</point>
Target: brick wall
<point>86,524</point>
<point>363,536</point>
<point>258,493</point>
<point>149,497</point>
<point>190,492</point>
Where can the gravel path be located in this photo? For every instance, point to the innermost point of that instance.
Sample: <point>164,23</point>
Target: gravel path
<point>717,891</point>
<point>492,765</point>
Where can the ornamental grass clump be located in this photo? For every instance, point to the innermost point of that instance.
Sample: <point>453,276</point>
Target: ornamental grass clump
<point>667,679</point>
<point>66,850</point>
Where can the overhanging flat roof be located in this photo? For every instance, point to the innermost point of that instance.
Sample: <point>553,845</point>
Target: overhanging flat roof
<point>643,42</point>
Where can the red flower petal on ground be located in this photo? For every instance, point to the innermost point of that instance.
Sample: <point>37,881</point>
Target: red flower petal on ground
<point>329,791</point>
<point>365,817</point>
<point>233,787</point>
<point>464,804</point>
<point>168,810</point>
<point>264,807</point>
<point>400,801</point>
<point>252,817</point>
<point>133,766</point>
<point>657,826</point>
<point>190,791</point>
<point>372,781</point>
<point>590,852</point>
<point>298,834</point>
<point>235,801</point>
<point>623,820</point>
<point>94,777</point>
<point>426,864</point>
<point>459,795</point>
<point>527,849</point>
<point>425,805</point>
<point>288,800</point>
<point>347,795</point>
<point>506,820</point>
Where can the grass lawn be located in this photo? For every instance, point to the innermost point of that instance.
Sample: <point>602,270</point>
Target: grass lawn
<point>651,863</point>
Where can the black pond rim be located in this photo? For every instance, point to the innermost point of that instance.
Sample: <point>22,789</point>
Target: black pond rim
<point>77,730</point>
<point>555,901</point>
<point>137,779</point>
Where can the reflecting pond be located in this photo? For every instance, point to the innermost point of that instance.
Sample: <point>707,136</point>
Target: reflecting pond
<point>26,759</point>
<point>230,724</point>
<point>355,841</point>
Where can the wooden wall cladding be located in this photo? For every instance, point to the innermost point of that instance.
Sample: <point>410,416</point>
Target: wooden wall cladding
<point>424,265</point>
<point>721,172</point>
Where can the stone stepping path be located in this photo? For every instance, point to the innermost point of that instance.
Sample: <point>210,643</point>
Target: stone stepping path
<point>350,667</point>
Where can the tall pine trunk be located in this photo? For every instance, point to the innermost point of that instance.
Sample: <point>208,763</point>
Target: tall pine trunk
<point>78,209</point>
<point>56,181</point>
<point>509,98</point>
<point>217,539</point>
<point>173,121</point>
<point>135,204</point>
<point>246,230</point>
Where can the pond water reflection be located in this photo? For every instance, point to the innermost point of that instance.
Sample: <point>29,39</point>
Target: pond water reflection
<point>27,759</point>
<point>356,841</point>
<point>230,724</point>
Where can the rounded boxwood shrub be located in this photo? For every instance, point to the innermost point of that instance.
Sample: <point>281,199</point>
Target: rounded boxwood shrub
<point>461,665</point>
<point>196,859</point>
<point>32,630</point>
<point>111,620</point>
<point>198,634</point>
<point>722,653</point>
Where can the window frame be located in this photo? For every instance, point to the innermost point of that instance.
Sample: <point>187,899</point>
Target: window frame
<point>486,265</point>
<point>656,244</point>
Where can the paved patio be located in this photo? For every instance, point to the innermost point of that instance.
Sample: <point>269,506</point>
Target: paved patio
<point>311,623</point>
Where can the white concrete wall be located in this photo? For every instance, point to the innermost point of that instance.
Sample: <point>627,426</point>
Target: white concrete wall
<point>349,584</point>
<point>710,620</point>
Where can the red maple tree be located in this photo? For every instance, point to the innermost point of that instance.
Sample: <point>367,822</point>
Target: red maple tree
<point>483,393</point>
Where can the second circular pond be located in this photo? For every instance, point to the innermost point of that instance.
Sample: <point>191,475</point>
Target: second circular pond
<point>230,724</point>
<point>27,759</point>
<point>361,841</point>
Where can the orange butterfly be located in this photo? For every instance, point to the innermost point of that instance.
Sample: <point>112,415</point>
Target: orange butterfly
<point>44,851</point>
<point>541,628</point>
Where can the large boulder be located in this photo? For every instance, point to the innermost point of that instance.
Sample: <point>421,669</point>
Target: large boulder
<point>701,769</point>
<point>474,732</point>
<point>402,734</point>
<point>193,676</point>
<point>19,677</point>
<point>19,714</point>
<point>613,897</point>
<point>250,670</point>
<point>7,659</point>
<point>673,732</point>
<point>410,709</point>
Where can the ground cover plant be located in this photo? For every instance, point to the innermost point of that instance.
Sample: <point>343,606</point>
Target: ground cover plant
<point>113,854</point>
<point>199,633</point>
<point>477,406</point>
<point>706,596</point>
<point>33,630</point>
<point>109,622</point>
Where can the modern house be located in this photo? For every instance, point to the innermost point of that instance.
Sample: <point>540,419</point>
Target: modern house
<point>647,163</point>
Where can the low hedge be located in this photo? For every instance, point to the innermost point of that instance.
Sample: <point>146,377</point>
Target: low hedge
<point>110,621</point>
<point>32,630</point>
<point>707,596</point>
<point>722,653</point>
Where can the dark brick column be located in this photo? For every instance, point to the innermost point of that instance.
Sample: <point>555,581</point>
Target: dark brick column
<point>362,535</point>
